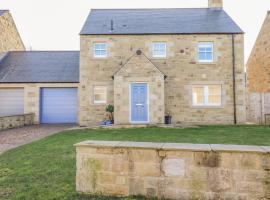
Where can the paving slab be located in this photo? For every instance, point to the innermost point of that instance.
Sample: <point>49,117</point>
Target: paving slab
<point>13,138</point>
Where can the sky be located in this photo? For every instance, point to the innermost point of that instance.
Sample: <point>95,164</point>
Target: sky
<point>55,24</point>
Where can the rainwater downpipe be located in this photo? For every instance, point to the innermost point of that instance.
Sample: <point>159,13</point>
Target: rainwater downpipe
<point>234,84</point>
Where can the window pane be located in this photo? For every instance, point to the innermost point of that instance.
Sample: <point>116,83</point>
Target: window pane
<point>100,94</point>
<point>214,94</point>
<point>202,56</point>
<point>208,56</point>
<point>100,49</point>
<point>99,97</point>
<point>198,95</point>
<point>214,99</point>
<point>202,49</point>
<point>207,95</point>
<point>159,49</point>
<point>214,89</point>
<point>205,51</point>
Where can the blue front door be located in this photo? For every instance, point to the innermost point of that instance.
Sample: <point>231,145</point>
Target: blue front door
<point>139,104</point>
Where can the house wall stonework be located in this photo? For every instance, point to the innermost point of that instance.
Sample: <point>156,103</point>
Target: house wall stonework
<point>10,39</point>
<point>215,3</point>
<point>258,66</point>
<point>32,95</point>
<point>181,68</point>
<point>139,70</point>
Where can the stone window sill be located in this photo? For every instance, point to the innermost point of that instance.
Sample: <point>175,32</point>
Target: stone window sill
<point>206,63</point>
<point>207,107</point>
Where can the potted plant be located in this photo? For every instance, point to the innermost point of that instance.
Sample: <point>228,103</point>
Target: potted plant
<point>110,110</point>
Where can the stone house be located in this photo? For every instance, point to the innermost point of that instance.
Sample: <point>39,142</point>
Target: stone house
<point>258,77</point>
<point>258,65</point>
<point>147,63</point>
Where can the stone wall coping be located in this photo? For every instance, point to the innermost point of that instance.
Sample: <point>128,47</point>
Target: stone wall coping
<point>175,146</point>
<point>266,148</point>
<point>237,148</point>
<point>16,115</point>
<point>187,147</point>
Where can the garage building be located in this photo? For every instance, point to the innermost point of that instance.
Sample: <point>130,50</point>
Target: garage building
<point>40,82</point>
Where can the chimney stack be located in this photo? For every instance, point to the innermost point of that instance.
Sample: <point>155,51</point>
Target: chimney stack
<point>215,3</point>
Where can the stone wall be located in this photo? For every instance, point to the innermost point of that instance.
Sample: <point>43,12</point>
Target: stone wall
<point>7,122</point>
<point>173,171</point>
<point>258,107</point>
<point>32,94</point>
<point>258,66</point>
<point>181,67</point>
<point>10,39</point>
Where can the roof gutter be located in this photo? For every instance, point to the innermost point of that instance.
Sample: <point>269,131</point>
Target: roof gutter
<point>191,33</point>
<point>234,82</point>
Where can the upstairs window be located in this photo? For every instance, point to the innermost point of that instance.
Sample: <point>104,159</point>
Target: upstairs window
<point>159,50</point>
<point>206,51</point>
<point>206,95</point>
<point>100,94</point>
<point>100,50</point>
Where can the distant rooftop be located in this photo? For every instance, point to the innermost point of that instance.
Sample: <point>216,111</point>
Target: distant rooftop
<point>159,21</point>
<point>2,12</point>
<point>40,67</point>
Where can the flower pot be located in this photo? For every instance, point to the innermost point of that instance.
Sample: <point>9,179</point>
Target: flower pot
<point>168,119</point>
<point>108,123</point>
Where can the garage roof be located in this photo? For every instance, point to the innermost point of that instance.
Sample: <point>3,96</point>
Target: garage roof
<point>159,21</point>
<point>40,67</point>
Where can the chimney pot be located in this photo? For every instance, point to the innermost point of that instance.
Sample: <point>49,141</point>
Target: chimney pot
<point>215,3</point>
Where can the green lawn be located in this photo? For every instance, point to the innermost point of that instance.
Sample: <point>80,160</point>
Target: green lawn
<point>46,169</point>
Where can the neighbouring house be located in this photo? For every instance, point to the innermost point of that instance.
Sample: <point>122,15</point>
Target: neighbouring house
<point>185,62</point>
<point>10,39</point>
<point>258,65</point>
<point>258,76</point>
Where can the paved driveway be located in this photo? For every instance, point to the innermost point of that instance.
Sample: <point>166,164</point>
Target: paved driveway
<point>12,138</point>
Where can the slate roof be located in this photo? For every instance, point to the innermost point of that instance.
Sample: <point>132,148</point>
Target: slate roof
<point>40,67</point>
<point>2,12</point>
<point>159,21</point>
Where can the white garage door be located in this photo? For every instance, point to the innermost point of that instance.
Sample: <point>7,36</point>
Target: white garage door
<point>58,105</point>
<point>11,101</point>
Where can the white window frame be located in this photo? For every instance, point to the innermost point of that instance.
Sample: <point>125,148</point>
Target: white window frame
<point>206,96</point>
<point>94,50</point>
<point>154,50</point>
<point>100,101</point>
<point>206,45</point>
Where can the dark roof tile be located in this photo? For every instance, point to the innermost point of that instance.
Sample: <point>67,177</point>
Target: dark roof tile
<point>40,67</point>
<point>159,21</point>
